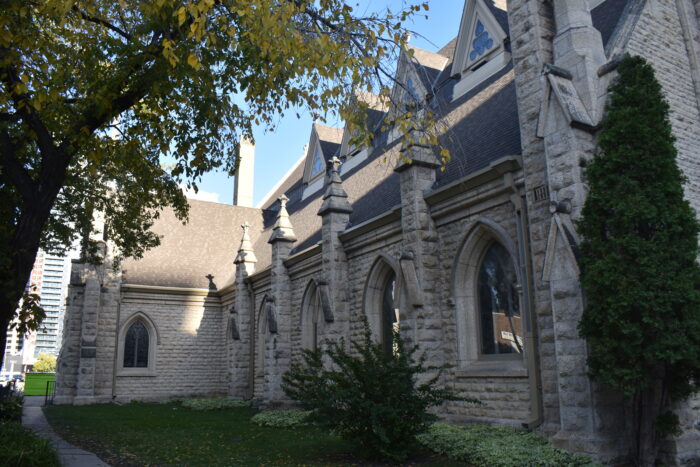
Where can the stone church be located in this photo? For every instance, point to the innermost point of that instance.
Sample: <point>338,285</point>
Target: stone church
<point>475,263</point>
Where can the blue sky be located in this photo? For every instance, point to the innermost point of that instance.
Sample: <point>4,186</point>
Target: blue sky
<point>277,151</point>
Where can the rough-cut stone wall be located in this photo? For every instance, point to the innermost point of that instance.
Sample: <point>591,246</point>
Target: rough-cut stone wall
<point>86,362</point>
<point>531,31</point>
<point>190,358</point>
<point>659,37</point>
<point>69,357</point>
<point>506,398</point>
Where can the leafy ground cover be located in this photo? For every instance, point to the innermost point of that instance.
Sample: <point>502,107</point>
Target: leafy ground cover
<point>492,446</point>
<point>172,435</point>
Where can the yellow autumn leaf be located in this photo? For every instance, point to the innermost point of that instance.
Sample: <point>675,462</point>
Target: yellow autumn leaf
<point>194,62</point>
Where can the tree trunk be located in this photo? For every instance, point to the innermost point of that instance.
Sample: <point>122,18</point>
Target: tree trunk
<point>3,336</point>
<point>649,404</point>
<point>15,276</point>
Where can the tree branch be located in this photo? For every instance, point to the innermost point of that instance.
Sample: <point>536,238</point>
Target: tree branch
<point>22,103</point>
<point>17,174</point>
<point>102,22</point>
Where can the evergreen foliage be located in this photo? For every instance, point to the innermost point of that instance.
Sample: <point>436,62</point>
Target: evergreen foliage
<point>367,395</point>
<point>639,269</point>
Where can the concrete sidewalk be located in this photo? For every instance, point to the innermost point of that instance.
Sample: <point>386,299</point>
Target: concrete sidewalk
<point>70,456</point>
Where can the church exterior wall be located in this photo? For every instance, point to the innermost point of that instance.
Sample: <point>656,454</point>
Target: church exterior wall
<point>190,358</point>
<point>529,202</point>
<point>667,34</point>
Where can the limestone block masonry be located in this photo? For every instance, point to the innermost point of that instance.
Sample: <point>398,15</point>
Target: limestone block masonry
<point>430,237</point>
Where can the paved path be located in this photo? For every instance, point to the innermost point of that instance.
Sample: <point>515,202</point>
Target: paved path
<point>70,456</point>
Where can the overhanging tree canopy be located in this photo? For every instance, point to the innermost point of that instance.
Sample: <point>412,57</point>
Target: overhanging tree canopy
<point>94,92</point>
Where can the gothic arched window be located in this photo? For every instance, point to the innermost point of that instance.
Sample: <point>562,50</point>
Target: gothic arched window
<point>499,308</point>
<point>136,345</point>
<point>311,317</point>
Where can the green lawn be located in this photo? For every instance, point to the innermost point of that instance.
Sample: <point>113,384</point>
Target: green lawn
<point>169,434</point>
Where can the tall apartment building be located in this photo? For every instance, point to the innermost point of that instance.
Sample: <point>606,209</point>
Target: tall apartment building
<point>51,274</point>
<point>49,279</point>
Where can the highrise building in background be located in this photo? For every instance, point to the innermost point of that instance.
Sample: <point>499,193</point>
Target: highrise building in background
<point>49,280</point>
<point>51,275</point>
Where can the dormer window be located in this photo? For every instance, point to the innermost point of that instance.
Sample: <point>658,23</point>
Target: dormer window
<point>323,144</point>
<point>480,50</point>
<point>318,166</point>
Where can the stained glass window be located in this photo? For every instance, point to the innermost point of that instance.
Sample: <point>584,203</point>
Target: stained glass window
<point>499,310</point>
<point>481,42</point>
<point>136,346</point>
<point>318,165</point>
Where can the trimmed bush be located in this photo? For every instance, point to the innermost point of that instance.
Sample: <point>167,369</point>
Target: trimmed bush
<point>22,448</point>
<point>282,418</point>
<point>490,446</point>
<point>367,395</point>
<point>210,403</point>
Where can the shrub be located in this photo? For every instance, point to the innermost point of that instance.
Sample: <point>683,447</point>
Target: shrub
<point>639,261</point>
<point>490,446</point>
<point>371,398</point>
<point>282,418</point>
<point>210,403</point>
<point>11,408</point>
<point>22,448</point>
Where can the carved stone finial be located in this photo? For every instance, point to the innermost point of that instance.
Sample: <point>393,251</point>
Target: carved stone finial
<point>283,227</point>
<point>245,250</point>
<point>335,199</point>
<point>336,164</point>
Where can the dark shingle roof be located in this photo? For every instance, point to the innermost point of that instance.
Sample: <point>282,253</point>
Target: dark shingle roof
<point>606,16</point>
<point>205,246</point>
<point>485,126</point>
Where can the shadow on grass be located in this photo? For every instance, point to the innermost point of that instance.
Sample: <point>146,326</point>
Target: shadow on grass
<point>141,434</point>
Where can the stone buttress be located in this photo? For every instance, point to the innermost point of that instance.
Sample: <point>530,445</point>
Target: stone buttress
<point>557,54</point>
<point>279,320</point>
<point>242,322</point>
<point>335,213</point>
<point>86,361</point>
<point>419,261</point>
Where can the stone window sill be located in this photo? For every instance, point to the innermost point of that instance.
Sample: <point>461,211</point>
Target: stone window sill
<point>493,369</point>
<point>136,372</point>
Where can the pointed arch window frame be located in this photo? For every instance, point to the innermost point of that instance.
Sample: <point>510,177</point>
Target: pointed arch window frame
<point>382,269</point>
<point>153,344</point>
<point>471,361</point>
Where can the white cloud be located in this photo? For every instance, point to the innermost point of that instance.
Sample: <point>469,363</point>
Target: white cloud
<point>200,195</point>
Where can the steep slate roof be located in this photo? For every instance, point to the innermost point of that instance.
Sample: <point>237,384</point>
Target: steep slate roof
<point>428,65</point>
<point>483,127</point>
<point>606,16</point>
<point>206,245</point>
